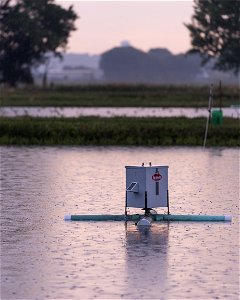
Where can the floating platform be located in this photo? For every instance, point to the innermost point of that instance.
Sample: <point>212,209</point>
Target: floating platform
<point>153,217</point>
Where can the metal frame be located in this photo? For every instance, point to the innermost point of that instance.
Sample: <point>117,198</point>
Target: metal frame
<point>146,208</point>
<point>126,204</point>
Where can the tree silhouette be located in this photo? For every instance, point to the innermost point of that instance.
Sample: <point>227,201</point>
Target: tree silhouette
<point>215,32</point>
<point>28,31</point>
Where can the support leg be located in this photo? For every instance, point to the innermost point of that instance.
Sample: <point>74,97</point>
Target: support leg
<point>168,203</point>
<point>126,204</point>
<point>146,204</point>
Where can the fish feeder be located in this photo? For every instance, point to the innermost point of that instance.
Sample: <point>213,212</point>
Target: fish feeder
<point>146,187</point>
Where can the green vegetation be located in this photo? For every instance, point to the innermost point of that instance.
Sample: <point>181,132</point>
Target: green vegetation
<point>119,95</point>
<point>116,131</point>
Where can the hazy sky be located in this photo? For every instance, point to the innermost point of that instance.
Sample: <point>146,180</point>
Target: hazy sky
<point>145,24</point>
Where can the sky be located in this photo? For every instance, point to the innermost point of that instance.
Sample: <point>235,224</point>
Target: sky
<point>103,25</point>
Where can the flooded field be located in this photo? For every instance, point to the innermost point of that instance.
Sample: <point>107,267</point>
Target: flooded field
<point>42,256</point>
<point>74,112</point>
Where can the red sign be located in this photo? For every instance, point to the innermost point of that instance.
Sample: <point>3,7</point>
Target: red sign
<point>157,176</point>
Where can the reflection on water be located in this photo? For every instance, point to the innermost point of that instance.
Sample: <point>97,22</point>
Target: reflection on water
<point>108,112</point>
<point>44,257</point>
<point>147,260</point>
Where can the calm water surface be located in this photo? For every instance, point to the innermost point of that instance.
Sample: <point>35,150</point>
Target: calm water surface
<point>44,257</point>
<point>109,112</point>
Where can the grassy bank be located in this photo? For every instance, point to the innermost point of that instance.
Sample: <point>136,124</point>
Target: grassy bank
<point>119,95</point>
<point>116,131</point>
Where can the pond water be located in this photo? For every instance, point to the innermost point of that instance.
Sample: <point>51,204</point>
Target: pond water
<point>74,112</point>
<point>42,256</point>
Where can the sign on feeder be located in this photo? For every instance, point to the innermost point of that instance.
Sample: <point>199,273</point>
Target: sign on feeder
<point>147,187</point>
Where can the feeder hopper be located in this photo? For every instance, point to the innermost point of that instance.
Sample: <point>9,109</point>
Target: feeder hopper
<point>147,187</point>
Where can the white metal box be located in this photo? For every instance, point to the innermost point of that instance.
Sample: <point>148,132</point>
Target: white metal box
<point>147,187</point>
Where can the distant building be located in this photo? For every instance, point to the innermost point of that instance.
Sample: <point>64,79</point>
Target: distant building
<point>73,69</point>
<point>125,44</point>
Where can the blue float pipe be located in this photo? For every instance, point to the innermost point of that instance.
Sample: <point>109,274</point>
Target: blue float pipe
<point>157,218</point>
<point>96,218</point>
<point>194,218</point>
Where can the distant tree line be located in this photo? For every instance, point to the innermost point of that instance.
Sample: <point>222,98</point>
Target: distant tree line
<point>215,38</point>
<point>128,64</point>
<point>30,30</point>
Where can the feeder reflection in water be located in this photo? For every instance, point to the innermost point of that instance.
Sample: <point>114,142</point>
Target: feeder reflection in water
<point>146,257</point>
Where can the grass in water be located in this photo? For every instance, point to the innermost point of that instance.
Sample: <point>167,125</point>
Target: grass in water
<point>117,131</point>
